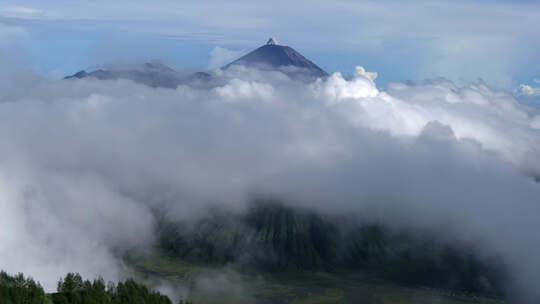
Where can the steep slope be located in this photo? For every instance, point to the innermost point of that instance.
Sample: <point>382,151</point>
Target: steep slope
<point>284,58</point>
<point>276,238</point>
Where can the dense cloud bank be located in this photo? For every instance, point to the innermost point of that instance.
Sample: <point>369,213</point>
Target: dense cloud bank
<point>84,162</point>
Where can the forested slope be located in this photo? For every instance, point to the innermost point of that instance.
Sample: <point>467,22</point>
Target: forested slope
<point>273,237</point>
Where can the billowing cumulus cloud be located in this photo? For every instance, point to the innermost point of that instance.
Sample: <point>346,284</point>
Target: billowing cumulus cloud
<point>529,90</point>
<point>529,94</point>
<point>83,162</point>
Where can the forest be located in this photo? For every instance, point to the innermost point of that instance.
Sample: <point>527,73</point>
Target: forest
<point>73,289</point>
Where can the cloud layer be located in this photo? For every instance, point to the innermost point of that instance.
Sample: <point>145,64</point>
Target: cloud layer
<point>83,162</point>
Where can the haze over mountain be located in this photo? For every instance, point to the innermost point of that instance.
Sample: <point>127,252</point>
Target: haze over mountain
<point>150,74</point>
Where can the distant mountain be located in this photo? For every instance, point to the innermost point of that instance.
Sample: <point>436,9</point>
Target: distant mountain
<point>271,56</point>
<point>151,74</point>
<point>275,56</point>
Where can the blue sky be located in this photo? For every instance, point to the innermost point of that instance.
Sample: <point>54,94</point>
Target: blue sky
<point>497,41</point>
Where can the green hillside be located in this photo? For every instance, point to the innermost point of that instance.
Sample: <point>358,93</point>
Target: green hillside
<point>272,238</point>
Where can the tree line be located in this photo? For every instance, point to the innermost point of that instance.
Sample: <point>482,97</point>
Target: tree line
<point>72,289</point>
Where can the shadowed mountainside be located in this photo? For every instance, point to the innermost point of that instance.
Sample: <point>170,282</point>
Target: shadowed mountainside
<point>274,238</point>
<point>280,57</point>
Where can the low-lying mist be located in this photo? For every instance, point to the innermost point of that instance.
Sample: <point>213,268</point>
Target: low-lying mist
<point>84,164</point>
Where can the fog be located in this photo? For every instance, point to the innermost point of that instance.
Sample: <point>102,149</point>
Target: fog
<point>84,162</point>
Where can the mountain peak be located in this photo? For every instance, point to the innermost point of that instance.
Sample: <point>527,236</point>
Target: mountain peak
<point>284,58</point>
<point>272,41</point>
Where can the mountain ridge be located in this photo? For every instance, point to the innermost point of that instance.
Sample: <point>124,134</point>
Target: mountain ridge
<point>270,56</point>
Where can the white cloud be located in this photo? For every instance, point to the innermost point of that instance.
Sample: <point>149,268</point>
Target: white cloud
<point>82,161</point>
<point>336,88</point>
<point>238,90</point>
<point>528,90</point>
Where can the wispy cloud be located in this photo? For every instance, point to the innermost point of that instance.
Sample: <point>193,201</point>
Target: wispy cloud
<point>220,56</point>
<point>21,10</point>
